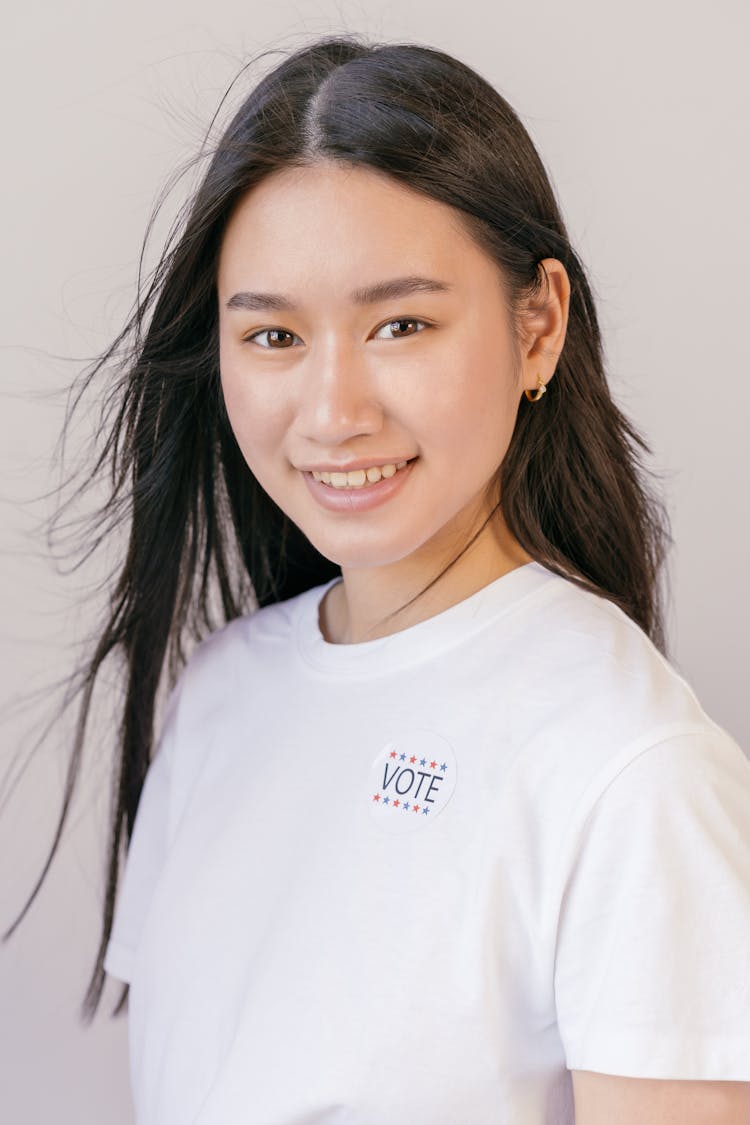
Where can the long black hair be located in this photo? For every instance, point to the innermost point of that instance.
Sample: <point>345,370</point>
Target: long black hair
<point>206,543</point>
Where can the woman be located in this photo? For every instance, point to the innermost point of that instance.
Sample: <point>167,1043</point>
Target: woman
<point>432,830</point>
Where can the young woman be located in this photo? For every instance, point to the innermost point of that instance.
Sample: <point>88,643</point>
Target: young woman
<point>431,831</point>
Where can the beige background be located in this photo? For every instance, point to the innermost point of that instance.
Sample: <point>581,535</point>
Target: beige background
<point>640,112</point>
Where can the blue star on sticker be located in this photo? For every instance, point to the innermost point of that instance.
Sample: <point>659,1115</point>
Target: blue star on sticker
<point>402,757</point>
<point>423,761</point>
<point>444,767</point>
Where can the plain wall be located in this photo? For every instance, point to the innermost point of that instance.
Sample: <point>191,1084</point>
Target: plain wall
<point>640,113</point>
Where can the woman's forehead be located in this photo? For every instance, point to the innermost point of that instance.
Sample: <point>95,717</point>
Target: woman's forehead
<point>356,224</point>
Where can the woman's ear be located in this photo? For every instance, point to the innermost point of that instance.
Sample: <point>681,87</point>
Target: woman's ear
<point>545,324</point>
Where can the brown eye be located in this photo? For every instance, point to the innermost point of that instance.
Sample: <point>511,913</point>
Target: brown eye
<point>271,332</point>
<point>400,325</point>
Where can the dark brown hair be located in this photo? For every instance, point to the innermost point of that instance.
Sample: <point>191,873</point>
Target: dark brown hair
<point>203,534</point>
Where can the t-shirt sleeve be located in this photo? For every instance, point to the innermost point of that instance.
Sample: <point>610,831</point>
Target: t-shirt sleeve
<point>652,963</point>
<point>146,853</point>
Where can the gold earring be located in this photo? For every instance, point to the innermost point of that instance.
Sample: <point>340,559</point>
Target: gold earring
<point>534,396</point>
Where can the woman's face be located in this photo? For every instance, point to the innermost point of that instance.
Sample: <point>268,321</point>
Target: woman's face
<point>315,371</point>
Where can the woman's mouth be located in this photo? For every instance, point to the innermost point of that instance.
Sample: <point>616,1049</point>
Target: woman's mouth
<point>361,489</point>
<point>359,478</point>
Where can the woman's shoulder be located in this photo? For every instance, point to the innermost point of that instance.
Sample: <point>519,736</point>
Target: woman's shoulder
<point>591,666</point>
<point>595,707</point>
<point>217,660</point>
<point>577,623</point>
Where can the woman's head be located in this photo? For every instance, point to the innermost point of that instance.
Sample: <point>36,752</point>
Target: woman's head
<point>350,164</point>
<point>427,129</point>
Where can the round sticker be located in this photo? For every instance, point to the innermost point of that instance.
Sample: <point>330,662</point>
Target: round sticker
<point>411,780</point>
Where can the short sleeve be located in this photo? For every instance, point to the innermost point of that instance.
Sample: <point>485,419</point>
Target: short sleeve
<point>652,963</point>
<point>146,853</point>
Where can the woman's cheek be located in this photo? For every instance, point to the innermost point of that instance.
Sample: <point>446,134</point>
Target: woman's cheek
<point>257,415</point>
<point>236,385</point>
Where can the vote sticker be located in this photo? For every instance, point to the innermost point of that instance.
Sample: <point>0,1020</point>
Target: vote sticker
<point>411,780</point>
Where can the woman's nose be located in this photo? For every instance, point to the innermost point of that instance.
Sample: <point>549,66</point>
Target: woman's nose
<point>339,396</point>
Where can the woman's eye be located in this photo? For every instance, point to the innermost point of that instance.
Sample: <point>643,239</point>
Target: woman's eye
<point>399,324</point>
<point>278,336</point>
<point>276,332</point>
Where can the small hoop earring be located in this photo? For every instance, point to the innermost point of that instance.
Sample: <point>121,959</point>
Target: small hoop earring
<point>534,396</point>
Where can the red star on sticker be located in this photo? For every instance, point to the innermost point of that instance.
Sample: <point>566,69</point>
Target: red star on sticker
<point>376,797</point>
<point>432,765</point>
<point>396,803</point>
<point>393,754</point>
<point>415,808</point>
<point>413,759</point>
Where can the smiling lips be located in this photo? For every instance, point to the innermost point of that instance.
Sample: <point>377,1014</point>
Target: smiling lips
<point>338,495</point>
<point>359,478</point>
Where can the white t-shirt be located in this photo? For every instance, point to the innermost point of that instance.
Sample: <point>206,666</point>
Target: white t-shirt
<point>418,879</point>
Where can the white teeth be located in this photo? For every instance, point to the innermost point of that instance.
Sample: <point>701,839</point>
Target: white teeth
<point>360,477</point>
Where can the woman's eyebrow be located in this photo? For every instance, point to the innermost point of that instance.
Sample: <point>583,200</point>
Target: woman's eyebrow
<point>369,295</point>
